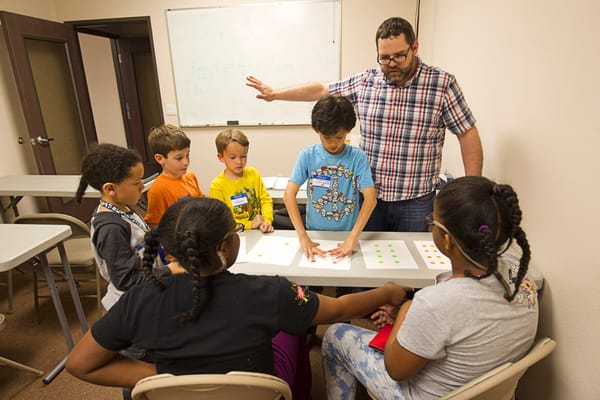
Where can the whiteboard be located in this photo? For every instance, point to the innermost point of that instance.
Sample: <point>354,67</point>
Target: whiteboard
<point>284,43</point>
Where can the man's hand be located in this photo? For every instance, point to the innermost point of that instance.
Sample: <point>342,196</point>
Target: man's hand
<point>266,92</point>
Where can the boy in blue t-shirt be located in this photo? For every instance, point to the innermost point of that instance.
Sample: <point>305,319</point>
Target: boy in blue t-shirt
<point>336,175</point>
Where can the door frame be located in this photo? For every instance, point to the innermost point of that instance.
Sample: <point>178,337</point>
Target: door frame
<point>117,30</point>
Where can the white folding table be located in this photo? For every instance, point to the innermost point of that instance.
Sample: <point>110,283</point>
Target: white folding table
<point>17,186</point>
<point>19,244</point>
<point>359,275</point>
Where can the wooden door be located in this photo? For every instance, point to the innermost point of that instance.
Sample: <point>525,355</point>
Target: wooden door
<point>48,70</point>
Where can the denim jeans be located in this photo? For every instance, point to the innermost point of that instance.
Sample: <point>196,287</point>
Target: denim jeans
<point>347,358</point>
<point>401,216</point>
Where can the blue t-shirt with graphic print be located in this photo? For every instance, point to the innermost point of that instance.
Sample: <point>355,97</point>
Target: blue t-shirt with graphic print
<point>334,184</point>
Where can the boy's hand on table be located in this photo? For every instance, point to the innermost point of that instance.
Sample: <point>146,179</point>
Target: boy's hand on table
<point>257,221</point>
<point>310,248</point>
<point>344,249</point>
<point>266,227</point>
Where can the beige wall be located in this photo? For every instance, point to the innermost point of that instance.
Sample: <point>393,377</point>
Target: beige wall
<point>529,69</point>
<point>273,149</point>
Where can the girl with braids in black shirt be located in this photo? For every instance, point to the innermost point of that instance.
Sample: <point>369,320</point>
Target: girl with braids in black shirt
<point>482,314</point>
<point>207,319</point>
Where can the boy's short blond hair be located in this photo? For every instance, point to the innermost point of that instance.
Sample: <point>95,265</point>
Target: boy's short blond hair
<point>166,138</point>
<point>228,136</point>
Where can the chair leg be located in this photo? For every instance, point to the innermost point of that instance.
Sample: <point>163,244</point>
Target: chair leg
<point>36,297</point>
<point>9,285</point>
<point>20,366</point>
<point>98,292</point>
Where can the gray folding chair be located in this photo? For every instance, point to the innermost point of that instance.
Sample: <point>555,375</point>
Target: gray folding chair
<point>501,382</point>
<point>11,363</point>
<point>79,253</point>
<point>233,385</point>
<point>142,205</point>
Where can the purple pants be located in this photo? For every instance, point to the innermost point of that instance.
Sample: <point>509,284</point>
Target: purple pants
<point>292,363</point>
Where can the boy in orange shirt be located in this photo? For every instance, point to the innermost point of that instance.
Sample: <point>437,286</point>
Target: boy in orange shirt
<point>171,148</point>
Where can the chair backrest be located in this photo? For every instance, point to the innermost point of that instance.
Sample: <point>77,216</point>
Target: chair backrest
<point>78,228</point>
<point>500,383</point>
<point>233,385</point>
<point>77,246</point>
<point>150,177</point>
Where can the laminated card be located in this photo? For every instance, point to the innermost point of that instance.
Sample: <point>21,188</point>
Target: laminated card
<point>432,257</point>
<point>387,254</point>
<point>326,262</point>
<point>274,250</point>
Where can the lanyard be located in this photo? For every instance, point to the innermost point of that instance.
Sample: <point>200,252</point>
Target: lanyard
<point>138,222</point>
<point>126,216</point>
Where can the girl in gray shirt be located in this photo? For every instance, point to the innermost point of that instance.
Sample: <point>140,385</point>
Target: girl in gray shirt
<point>483,314</point>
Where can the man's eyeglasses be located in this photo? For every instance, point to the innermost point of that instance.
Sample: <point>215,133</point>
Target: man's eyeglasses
<point>398,58</point>
<point>237,229</point>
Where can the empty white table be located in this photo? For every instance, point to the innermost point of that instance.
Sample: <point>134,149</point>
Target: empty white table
<point>22,242</point>
<point>17,186</point>
<point>275,186</point>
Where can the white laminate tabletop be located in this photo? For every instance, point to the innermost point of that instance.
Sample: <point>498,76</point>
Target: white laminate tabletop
<point>46,186</point>
<point>21,242</point>
<point>358,275</point>
<point>275,186</point>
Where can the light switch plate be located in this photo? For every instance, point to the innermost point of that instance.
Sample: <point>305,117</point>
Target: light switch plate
<point>171,109</point>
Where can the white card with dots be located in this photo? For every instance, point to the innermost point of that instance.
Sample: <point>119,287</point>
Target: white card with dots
<point>327,261</point>
<point>432,257</point>
<point>387,254</point>
<point>274,250</point>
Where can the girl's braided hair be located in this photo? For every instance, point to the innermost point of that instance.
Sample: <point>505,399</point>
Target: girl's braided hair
<point>484,217</point>
<point>190,230</point>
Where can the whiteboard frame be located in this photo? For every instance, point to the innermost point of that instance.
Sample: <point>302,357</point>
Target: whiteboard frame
<point>192,93</point>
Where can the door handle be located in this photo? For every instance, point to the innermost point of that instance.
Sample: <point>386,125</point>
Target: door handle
<point>44,140</point>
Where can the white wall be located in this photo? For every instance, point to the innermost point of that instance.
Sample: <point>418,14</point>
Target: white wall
<point>529,70</point>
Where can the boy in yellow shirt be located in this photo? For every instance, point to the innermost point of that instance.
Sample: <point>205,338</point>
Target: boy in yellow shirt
<point>239,186</point>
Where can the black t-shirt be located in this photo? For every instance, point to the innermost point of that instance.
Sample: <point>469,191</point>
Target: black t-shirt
<point>232,332</point>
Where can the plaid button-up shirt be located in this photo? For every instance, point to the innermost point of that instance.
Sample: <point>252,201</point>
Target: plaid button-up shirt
<point>403,127</point>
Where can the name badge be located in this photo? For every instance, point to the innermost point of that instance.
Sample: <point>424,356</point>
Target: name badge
<point>321,181</point>
<point>239,199</point>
